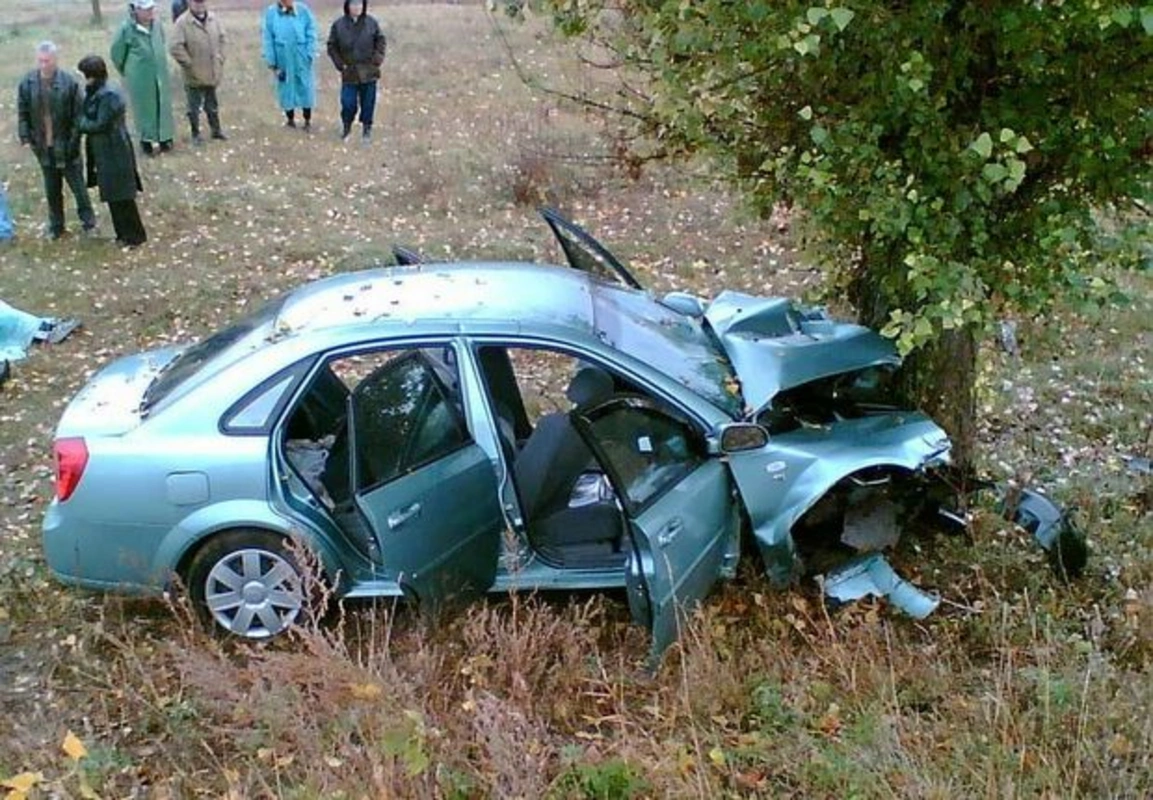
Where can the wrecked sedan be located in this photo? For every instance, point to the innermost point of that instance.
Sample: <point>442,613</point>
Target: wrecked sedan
<point>430,430</point>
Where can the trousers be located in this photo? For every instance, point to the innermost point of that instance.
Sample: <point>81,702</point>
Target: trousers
<point>354,95</point>
<point>55,176</point>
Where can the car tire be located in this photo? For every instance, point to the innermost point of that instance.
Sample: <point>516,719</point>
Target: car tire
<point>247,584</point>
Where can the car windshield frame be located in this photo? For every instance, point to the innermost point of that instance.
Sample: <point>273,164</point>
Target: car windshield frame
<point>216,351</point>
<point>677,345</point>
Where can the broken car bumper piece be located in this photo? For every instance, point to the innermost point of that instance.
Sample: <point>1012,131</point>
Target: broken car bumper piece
<point>873,575</point>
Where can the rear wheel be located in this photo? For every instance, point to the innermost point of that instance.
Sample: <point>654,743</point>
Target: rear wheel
<point>247,583</point>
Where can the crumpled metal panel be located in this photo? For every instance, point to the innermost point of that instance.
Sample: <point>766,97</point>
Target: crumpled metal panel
<point>775,344</point>
<point>780,482</point>
<point>873,575</point>
<point>1052,528</point>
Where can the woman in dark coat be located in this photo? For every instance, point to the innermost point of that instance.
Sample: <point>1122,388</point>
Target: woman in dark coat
<point>111,160</point>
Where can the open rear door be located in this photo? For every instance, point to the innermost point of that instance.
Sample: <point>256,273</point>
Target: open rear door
<point>586,253</point>
<point>426,489</point>
<point>682,516</point>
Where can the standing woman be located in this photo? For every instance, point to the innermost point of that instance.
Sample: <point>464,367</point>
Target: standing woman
<point>140,55</point>
<point>111,159</point>
<point>289,50</point>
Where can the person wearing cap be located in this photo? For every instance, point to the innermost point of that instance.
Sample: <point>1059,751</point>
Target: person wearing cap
<point>139,54</point>
<point>48,104</point>
<point>289,34</point>
<point>111,159</point>
<point>356,46</point>
<point>198,47</point>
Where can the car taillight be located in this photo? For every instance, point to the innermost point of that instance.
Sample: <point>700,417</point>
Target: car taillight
<point>71,459</point>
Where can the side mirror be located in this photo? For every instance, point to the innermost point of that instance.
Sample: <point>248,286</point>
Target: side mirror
<point>737,437</point>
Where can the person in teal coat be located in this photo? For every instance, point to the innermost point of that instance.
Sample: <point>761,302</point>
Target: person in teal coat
<point>289,49</point>
<point>139,54</point>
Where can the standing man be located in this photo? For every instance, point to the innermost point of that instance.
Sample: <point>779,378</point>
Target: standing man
<point>289,33</point>
<point>139,54</point>
<point>49,102</point>
<point>198,47</point>
<point>356,47</point>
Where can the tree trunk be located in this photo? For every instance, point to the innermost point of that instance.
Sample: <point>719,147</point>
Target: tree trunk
<point>97,16</point>
<point>939,378</point>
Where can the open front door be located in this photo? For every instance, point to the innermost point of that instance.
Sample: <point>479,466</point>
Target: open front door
<point>427,490</point>
<point>682,516</point>
<point>586,253</point>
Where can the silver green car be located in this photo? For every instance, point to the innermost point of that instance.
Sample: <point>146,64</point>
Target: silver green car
<point>434,430</point>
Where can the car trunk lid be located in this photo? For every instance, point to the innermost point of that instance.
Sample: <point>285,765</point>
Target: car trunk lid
<point>110,404</point>
<point>775,344</point>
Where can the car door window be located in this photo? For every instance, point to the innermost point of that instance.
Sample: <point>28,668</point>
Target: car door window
<point>645,450</point>
<point>405,415</point>
<point>586,253</point>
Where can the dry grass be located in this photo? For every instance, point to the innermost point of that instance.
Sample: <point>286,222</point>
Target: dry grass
<point>1021,687</point>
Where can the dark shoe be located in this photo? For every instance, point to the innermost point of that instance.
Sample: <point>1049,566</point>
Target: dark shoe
<point>308,126</point>
<point>146,148</point>
<point>366,135</point>
<point>290,123</point>
<point>166,146</point>
<point>219,136</point>
<point>345,131</point>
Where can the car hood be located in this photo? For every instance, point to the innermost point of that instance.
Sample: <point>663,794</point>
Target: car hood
<point>775,344</point>
<point>109,404</point>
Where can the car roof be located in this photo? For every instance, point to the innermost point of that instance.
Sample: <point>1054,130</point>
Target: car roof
<point>526,294</point>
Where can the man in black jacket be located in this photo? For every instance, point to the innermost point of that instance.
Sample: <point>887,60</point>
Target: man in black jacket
<point>48,106</point>
<point>356,46</point>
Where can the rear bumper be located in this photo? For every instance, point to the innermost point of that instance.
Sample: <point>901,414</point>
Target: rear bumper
<point>82,554</point>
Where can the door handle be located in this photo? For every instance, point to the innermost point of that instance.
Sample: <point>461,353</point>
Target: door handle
<point>398,518</point>
<point>669,533</point>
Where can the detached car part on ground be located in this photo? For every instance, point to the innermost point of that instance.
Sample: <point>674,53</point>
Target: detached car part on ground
<point>406,426</point>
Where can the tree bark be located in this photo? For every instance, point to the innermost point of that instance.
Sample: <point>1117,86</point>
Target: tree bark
<point>940,378</point>
<point>97,15</point>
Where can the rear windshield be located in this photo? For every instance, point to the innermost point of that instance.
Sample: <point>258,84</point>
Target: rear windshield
<point>193,359</point>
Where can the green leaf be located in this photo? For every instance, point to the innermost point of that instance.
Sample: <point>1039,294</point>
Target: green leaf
<point>1023,145</point>
<point>815,14</point>
<point>994,172</point>
<point>983,145</point>
<point>1007,135</point>
<point>1123,16</point>
<point>808,45</point>
<point>916,84</point>
<point>842,17</point>
<point>1147,20</point>
<point>806,113</point>
<point>819,135</point>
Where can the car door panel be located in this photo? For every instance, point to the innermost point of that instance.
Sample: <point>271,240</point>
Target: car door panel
<point>438,528</point>
<point>681,542</point>
<point>680,506</point>
<point>427,490</point>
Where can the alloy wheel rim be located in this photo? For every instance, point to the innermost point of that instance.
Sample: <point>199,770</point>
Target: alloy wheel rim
<point>253,593</point>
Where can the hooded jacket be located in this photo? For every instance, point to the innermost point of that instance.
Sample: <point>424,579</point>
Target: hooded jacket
<point>356,45</point>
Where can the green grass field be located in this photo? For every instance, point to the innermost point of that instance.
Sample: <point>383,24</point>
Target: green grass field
<point>1020,686</point>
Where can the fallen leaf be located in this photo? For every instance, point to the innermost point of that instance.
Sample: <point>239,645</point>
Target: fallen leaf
<point>74,747</point>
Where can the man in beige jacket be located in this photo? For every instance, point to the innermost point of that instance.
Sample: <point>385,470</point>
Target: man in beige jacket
<point>198,47</point>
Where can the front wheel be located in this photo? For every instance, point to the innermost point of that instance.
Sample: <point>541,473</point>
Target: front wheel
<point>247,583</point>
